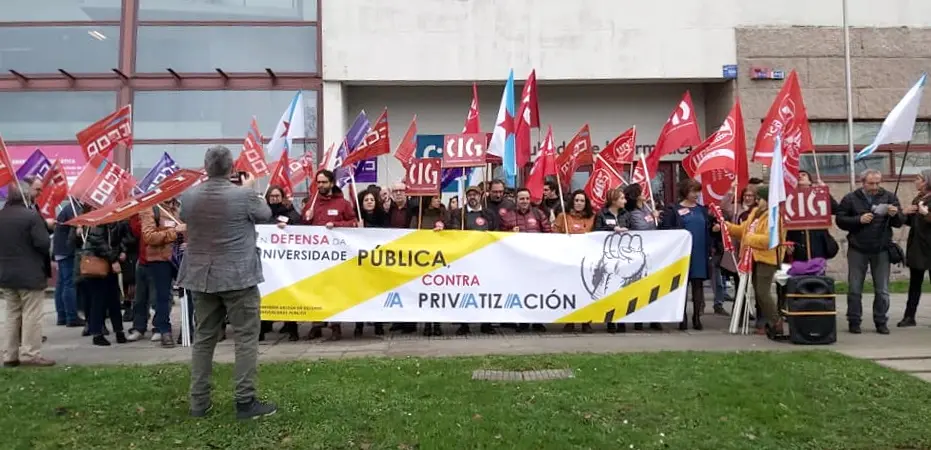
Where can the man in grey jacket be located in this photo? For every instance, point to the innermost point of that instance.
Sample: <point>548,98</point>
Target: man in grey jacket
<point>221,268</point>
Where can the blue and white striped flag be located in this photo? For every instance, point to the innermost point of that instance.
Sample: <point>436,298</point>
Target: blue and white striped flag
<point>900,123</point>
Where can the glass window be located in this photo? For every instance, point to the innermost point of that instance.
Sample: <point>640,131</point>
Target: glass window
<point>61,10</point>
<point>233,10</point>
<point>214,114</point>
<point>47,49</point>
<point>835,133</point>
<point>51,116</point>
<point>915,163</point>
<point>838,164</point>
<point>197,49</point>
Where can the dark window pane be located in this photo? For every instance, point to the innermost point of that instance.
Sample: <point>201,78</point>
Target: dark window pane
<point>47,49</point>
<point>201,10</point>
<point>36,116</point>
<point>233,49</point>
<point>838,164</point>
<point>214,114</point>
<point>60,10</point>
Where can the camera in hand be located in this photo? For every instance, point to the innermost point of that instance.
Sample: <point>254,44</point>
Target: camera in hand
<point>236,178</point>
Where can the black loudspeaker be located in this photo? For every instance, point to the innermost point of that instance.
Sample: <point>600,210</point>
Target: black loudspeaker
<point>810,310</point>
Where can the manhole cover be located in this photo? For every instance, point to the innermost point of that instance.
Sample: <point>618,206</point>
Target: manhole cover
<point>527,375</point>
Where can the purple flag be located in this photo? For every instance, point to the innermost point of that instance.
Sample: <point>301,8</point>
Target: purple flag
<point>449,176</point>
<point>165,167</point>
<point>36,165</point>
<point>355,135</point>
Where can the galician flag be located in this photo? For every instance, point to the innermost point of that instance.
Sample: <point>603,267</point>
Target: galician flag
<point>503,141</point>
<point>290,127</point>
<point>777,193</point>
<point>900,123</point>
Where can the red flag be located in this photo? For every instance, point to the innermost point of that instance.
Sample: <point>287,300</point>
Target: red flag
<point>101,183</point>
<point>405,151</point>
<point>374,144</point>
<point>725,233</point>
<point>297,171</point>
<point>54,190</point>
<point>746,261</point>
<point>543,167</point>
<point>7,175</point>
<point>621,150</point>
<point>101,137</point>
<point>281,175</point>
<point>528,116</point>
<point>786,117</point>
<point>577,152</point>
<point>170,187</point>
<point>602,180</point>
<point>720,151</point>
<point>681,130</point>
<point>641,177</point>
<point>252,157</point>
<point>715,185</point>
<point>472,124</point>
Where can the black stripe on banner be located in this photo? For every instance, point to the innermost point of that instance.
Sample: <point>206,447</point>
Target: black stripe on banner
<point>675,282</point>
<point>632,306</point>
<point>609,316</point>
<point>654,294</point>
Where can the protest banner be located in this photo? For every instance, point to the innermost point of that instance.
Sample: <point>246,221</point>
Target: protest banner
<point>393,275</point>
<point>808,209</point>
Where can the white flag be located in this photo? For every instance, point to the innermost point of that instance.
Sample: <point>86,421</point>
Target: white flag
<point>290,127</point>
<point>777,193</point>
<point>900,123</point>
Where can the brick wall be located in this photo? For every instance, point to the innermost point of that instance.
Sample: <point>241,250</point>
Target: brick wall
<point>885,62</point>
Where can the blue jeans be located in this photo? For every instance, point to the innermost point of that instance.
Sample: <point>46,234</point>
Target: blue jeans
<point>66,298</point>
<point>153,283</point>
<point>720,288</point>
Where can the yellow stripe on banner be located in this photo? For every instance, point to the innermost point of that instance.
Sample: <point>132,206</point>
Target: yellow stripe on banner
<point>354,282</point>
<point>633,297</point>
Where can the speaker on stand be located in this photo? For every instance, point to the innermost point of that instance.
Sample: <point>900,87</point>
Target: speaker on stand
<point>810,310</point>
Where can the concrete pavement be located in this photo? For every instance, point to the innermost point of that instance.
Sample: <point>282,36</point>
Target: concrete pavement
<point>905,349</point>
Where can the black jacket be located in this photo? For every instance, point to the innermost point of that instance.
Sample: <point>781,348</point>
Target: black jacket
<point>484,220</point>
<point>670,219</point>
<point>605,220</point>
<point>24,249</point>
<point>875,236</point>
<point>918,248</point>
<point>61,244</point>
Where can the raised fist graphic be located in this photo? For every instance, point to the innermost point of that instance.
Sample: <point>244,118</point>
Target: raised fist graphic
<point>621,262</point>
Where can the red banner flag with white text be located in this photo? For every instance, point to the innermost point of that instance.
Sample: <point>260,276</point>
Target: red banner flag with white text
<point>602,180</point>
<point>680,130</point>
<point>281,175</point>
<point>54,190</point>
<point>101,137</point>
<point>786,117</point>
<point>101,183</point>
<point>7,174</point>
<point>721,149</point>
<point>408,145</point>
<point>374,144</point>
<point>544,166</point>
<point>578,152</point>
<point>169,188</point>
<point>621,150</point>
<point>528,117</point>
<point>725,232</point>
<point>252,157</point>
<point>642,178</point>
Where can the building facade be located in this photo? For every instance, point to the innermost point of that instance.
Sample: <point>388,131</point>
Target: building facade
<point>196,71</point>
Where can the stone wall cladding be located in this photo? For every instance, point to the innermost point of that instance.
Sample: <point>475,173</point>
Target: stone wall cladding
<point>885,63</point>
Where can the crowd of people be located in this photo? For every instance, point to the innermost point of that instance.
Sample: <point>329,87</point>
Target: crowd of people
<point>129,271</point>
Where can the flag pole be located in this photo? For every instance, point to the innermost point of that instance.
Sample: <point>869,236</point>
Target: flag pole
<point>898,179</point>
<point>646,174</point>
<point>462,200</point>
<point>562,199</point>
<point>849,85</point>
<point>355,192</point>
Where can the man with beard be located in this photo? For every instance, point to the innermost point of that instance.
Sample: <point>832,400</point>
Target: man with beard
<point>496,201</point>
<point>524,218</point>
<point>475,218</point>
<point>331,210</point>
<point>551,203</point>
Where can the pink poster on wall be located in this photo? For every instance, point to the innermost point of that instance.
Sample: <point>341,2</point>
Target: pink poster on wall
<point>71,157</point>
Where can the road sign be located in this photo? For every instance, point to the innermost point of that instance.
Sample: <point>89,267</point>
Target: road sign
<point>464,150</point>
<point>423,177</point>
<point>808,209</point>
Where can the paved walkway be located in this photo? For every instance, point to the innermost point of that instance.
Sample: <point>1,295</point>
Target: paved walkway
<point>905,349</point>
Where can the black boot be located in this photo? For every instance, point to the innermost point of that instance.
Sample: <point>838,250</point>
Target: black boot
<point>463,330</point>
<point>437,329</point>
<point>316,332</point>
<point>907,322</point>
<point>486,328</point>
<point>612,327</point>
<point>379,329</point>
<point>428,329</point>
<point>684,325</point>
<point>360,328</point>
<point>697,308</point>
<point>638,326</point>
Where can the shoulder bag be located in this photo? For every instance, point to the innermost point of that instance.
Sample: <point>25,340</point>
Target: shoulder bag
<point>93,266</point>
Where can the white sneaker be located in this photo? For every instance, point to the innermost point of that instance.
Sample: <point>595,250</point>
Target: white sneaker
<point>156,337</point>
<point>134,336</point>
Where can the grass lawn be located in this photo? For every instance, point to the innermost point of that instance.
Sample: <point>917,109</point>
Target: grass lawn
<point>895,287</point>
<point>798,400</point>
